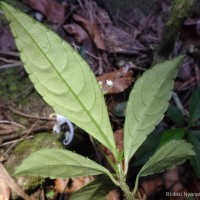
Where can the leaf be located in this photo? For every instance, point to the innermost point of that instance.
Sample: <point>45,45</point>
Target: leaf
<point>175,114</point>
<point>54,11</point>
<point>166,157</point>
<point>147,103</point>
<point>97,190</point>
<point>194,107</point>
<point>58,163</point>
<point>172,134</point>
<point>61,76</point>
<point>194,138</point>
<point>120,80</point>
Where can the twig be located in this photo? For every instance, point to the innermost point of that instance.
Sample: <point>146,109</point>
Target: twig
<point>24,92</point>
<point>65,18</point>
<point>34,130</point>
<point>9,53</point>
<point>29,116</point>
<point>17,64</point>
<point>5,155</point>
<point>5,176</point>
<point>87,52</point>
<point>125,22</point>
<point>13,141</point>
<point>14,123</point>
<point>8,60</point>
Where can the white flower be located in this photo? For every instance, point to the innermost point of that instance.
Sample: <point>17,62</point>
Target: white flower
<point>109,83</point>
<point>60,120</point>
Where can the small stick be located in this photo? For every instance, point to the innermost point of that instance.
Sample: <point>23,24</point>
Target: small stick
<point>8,60</point>
<point>29,116</point>
<point>17,64</point>
<point>14,123</point>
<point>9,180</point>
<point>9,53</point>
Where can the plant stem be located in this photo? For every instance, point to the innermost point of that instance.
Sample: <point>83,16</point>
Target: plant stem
<point>123,185</point>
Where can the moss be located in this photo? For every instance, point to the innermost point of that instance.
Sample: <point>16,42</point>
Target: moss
<point>179,11</point>
<point>23,150</point>
<point>42,140</point>
<point>12,83</point>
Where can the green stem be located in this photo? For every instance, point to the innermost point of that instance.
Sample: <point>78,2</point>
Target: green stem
<point>136,185</point>
<point>123,185</point>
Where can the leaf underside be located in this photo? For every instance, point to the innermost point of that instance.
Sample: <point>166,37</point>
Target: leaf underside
<point>147,103</point>
<point>58,163</point>
<point>166,157</point>
<point>61,76</point>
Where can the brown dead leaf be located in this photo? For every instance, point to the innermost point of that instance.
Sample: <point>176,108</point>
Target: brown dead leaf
<point>4,190</point>
<point>92,29</point>
<point>113,195</point>
<point>53,10</point>
<point>172,179</point>
<point>151,184</point>
<point>116,81</point>
<point>71,185</point>
<point>119,41</point>
<point>78,32</point>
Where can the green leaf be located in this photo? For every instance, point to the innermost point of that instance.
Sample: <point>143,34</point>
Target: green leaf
<point>194,107</point>
<point>97,190</point>
<point>166,157</point>
<point>147,103</point>
<point>194,138</point>
<point>175,114</point>
<point>172,134</point>
<point>61,76</point>
<point>58,163</point>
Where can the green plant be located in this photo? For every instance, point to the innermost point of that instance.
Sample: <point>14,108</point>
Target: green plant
<point>188,127</point>
<point>66,83</point>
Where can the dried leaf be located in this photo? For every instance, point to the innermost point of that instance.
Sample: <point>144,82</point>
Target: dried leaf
<point>119,41</point>
<point>151,184</point>
<point>115,82</point>
<point>51,9</point>
<point>78,32</point>
<point>113,195</point>
<point>71,185</point>
<point>92,29</point>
